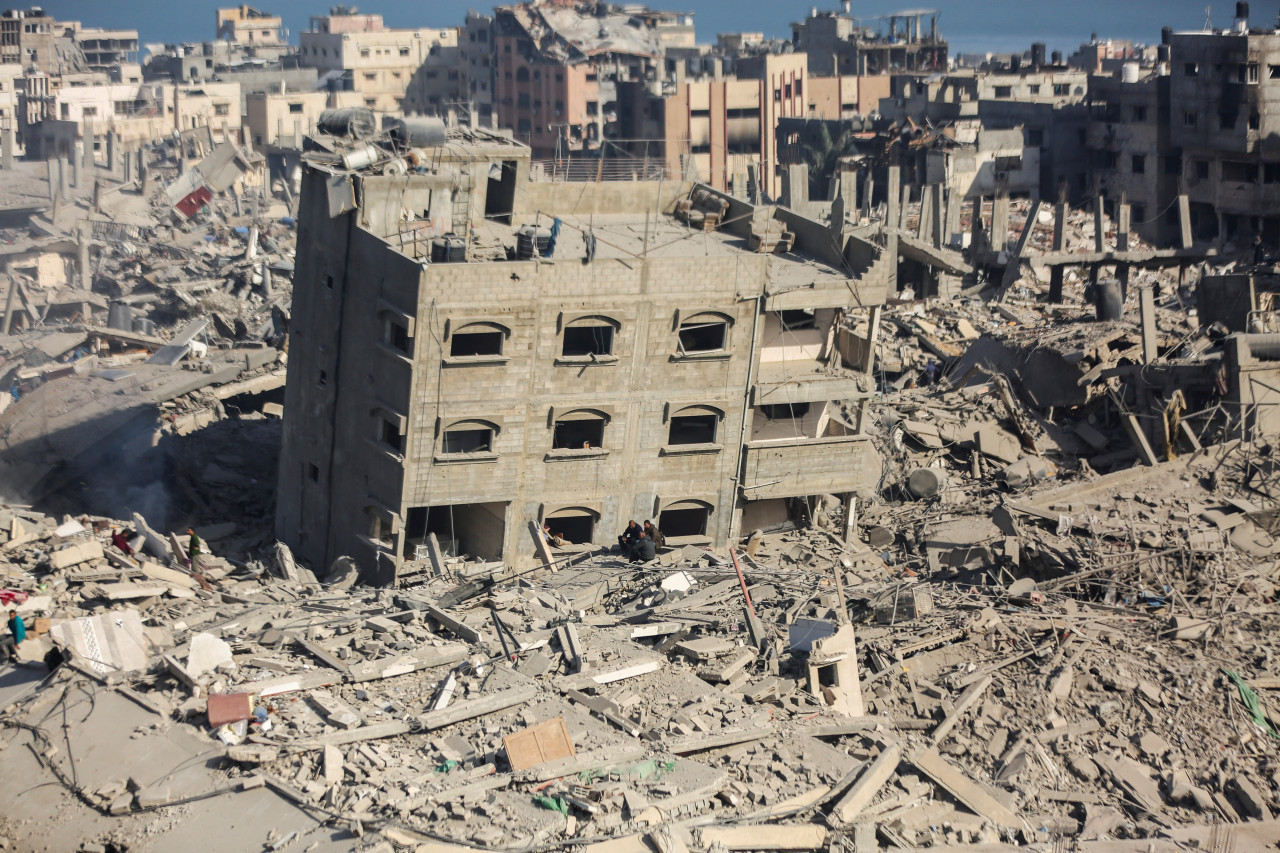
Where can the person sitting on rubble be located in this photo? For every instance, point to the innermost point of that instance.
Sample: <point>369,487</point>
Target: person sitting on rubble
<point>121,540</point>
<point>553,538</point>
<point>643,550</point>
<point>17,633</point>
<point>628,538</point>
<point>654,534</point>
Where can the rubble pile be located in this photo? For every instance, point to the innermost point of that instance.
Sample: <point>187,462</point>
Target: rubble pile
<point>1088,657</point>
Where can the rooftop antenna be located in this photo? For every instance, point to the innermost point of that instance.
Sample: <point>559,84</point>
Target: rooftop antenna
<point>1208,23</point>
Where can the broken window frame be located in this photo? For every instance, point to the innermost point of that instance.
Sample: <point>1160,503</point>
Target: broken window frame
<point>577,511</point>
<point>696,322</point>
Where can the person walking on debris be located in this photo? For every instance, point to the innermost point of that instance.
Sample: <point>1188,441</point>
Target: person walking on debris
<point>194,549</point>
<point>931,372</point>
<point>121,541</point>
<point>654,534</point>
<point>628,538</point>
<point>643,550</point>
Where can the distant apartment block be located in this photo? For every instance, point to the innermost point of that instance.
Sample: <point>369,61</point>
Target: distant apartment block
<point>247,25</point>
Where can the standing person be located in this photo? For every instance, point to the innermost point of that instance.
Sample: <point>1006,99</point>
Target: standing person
<point>121,541</point>
<point>629,536</point>
<point>194,549</point>
<point>931,372</point>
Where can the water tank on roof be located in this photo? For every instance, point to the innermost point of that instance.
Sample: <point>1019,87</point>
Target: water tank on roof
<point>449,249</point>
<point>120,316</point>
<point>525,238</point>
<point>362,156</point>
<point>1166,35</point>
<point>419,131</point>
<point>1129,72</point>
<point>357,122</point>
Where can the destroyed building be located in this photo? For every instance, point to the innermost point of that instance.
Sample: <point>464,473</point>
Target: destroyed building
<point>668,354</point>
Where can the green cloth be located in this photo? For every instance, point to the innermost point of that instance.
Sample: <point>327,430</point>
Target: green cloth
<point>1250,699</point>
<point>18,629</point>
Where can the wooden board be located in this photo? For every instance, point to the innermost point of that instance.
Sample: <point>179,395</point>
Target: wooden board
<point>548,741</point>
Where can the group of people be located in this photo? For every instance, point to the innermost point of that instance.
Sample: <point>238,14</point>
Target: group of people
<point>640,544</point>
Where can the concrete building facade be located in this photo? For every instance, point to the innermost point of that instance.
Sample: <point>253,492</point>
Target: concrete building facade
<point>1224,93</point>
<point>694,383</point>
<point>246,25</point>
<point>379,65</point>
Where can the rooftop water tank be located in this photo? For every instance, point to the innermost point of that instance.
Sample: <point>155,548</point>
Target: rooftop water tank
<point>449,249</point>
<point>525,238</point>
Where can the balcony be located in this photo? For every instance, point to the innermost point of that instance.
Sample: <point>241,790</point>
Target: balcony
<point>809,466</point>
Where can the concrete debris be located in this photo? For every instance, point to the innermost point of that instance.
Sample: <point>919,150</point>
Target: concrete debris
<point>1040,609</point>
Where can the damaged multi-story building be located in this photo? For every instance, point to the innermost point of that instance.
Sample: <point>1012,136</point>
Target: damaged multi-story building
<point>591,353</point>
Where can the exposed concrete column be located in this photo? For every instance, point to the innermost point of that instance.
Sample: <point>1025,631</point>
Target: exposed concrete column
<point>873,333</point>
<point>128,167</point>
<point>7,143</point>
<point>90,161</point>
<point>902,208</point>
<point>77,171</point>
<point>1184,219</point>
<point>1099,231</point>
<point>266,281</point>
<point>1000,223</point>
<point>84,239</point>
<point>952,232</point>
<point>1147,307</point>
<point>848,185</point>
<point>54,178</point>
<point>938,225</point>
<point>8,301</point>
<point>1122,228</point>
<point>868,194</point>
<point>64,178</point>
<point>113,153</point>
<point>924,229</point>
<point>1059,241</point>
<point>891,228</point>
<point>143,175</point>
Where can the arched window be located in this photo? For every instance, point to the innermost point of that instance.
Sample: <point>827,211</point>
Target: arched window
<point>574,524</point>
<point>705,332</point>
<point>685,518</point>
<point>522,75</point>
<point>579,429</point>
<point>478,340</point>
<point>694,425</point>
<point>589,336</point>
<point>472,436</point>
